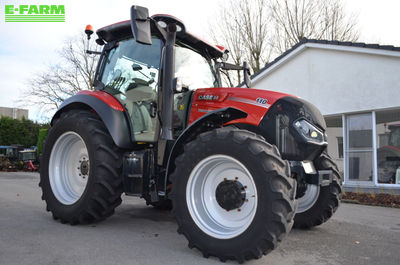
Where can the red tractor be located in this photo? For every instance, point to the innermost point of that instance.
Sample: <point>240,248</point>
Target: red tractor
<point>239,166</point>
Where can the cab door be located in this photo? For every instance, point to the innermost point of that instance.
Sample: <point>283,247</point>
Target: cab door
<point>131,73</point>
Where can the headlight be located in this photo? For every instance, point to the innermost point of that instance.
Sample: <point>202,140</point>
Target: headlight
<point>309,132</point>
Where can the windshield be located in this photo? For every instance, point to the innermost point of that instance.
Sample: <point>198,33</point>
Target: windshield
<point>131,64</point>
<point>193,70</point>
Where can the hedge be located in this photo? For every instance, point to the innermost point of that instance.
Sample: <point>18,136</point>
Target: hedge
<point>24,132</point>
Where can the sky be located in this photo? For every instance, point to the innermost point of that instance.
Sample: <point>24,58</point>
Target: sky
<point>27,48</point>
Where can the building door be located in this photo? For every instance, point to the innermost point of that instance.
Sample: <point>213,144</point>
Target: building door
<point>359,148</point>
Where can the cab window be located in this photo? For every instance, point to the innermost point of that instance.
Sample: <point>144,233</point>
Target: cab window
<point>193,70</point>
<point>130,64</point>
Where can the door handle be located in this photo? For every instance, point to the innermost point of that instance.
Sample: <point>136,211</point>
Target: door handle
<point>153,109</point>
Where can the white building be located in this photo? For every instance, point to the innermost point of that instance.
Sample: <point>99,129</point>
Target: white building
<point>14,113</point>
<point>356,86</point>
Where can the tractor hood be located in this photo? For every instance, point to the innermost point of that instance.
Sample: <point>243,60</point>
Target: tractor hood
<point>294,125</point>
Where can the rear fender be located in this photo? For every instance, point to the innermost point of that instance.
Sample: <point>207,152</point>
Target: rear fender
<point>209,121</point>
<point>110,112</point>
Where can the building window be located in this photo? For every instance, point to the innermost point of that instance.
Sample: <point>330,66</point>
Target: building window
<point>388,146</point>
<point>359,148</point>
<point>340,146</point>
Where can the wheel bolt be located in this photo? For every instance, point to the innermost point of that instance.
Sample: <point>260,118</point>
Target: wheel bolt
<point>236,178</point>
<point>246,200</point>
<point>225,179</point>
<point>80,174</point>
<point>239,210</point>
<point>245,187</point>
<point>79,168</point>
<point>80,161</point>
<point>83,158</point>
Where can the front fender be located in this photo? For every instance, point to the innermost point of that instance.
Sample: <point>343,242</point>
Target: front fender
<point>111,113</point>
<point>209,121</point>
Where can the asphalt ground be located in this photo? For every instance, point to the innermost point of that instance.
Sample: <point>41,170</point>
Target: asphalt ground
<point>139,234</point>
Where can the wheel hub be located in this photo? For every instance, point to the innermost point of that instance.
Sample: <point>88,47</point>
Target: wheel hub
<point>84,167</point>
<point>301,189</point>
<point>230,194</point>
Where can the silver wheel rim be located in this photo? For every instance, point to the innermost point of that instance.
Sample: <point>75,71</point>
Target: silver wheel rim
<point>309,198</point>
<point>69,161</point>
<point>204,209</point>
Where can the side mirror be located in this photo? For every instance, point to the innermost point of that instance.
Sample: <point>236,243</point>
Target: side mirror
<point>140,24</point>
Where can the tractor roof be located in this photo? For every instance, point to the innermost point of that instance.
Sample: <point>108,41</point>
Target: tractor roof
<point>122,30</point>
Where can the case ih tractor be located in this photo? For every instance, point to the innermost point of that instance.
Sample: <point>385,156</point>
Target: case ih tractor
<point>239,166</point>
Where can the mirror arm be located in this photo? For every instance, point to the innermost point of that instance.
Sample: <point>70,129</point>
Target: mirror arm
<point>93,52</point>
<point>229,66</point>
<point>217,73</point>
<point>246,74</point>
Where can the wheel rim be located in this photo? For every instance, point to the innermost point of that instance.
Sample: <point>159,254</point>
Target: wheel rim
<point>69,168</point>
<point>309,198</point>
<point>201,200</point>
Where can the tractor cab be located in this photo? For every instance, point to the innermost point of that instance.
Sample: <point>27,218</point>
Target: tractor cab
<point>131,72</point>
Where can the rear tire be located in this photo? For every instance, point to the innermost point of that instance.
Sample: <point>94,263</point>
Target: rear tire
<point>327,200</point>
<point>81,167</point>
<point>229,159</point>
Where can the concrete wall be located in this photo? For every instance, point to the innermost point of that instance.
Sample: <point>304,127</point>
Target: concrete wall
<point>338,81</point>
<point>333,145</point>
<point>14,113</point>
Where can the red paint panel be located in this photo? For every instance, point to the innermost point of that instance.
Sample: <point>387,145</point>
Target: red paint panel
<point>254,102</point>
<point>105,97</point>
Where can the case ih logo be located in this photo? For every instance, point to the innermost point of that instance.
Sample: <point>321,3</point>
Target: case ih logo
<point>208,97</point>
<point>34,13</point>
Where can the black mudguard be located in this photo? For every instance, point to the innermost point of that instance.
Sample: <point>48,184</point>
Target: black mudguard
<point>116,121</point>
<point>209,121</point>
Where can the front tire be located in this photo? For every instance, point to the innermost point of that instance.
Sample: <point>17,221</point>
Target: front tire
<point>80,173</point>
<point>232,195</point>
<point>318,203</point>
